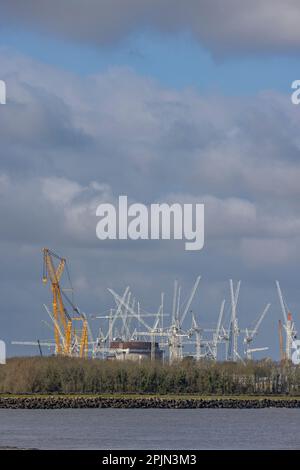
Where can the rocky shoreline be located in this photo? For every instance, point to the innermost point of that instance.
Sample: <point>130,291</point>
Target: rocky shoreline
<point>62,402</point>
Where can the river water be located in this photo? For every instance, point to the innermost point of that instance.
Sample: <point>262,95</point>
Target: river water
<point>150,429</point>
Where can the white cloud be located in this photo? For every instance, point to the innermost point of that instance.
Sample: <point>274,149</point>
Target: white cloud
<point>60,190</point>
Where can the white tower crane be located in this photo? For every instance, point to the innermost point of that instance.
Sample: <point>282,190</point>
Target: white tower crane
<point>289,325</point>
<point>216,335</point>
<point>249,335</point>
<point>176,332</point>
<point>232,352</point>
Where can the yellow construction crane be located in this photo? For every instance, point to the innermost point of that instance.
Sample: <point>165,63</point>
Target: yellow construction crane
<point>70,329</point>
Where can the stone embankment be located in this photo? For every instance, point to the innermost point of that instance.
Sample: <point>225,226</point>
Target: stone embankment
<point>60,401</point>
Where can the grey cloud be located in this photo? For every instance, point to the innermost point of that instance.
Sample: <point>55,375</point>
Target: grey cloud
<point>164,140</point>
<point>224,27</point>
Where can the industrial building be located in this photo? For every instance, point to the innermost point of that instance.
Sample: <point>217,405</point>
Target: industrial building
<point>134,350</point>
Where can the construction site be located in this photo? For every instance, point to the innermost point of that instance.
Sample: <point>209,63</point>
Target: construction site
<point>130,333</point>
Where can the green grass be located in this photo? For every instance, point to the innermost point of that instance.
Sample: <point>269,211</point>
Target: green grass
<point>145,396</point>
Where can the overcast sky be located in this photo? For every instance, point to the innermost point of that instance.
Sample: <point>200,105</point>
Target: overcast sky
<point>161,100</point>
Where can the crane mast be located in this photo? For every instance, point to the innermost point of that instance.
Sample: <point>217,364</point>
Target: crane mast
<point>289,326</point>
<point>282,354</point>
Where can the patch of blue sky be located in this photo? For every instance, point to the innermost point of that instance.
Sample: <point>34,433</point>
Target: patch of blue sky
<point>176,61</point>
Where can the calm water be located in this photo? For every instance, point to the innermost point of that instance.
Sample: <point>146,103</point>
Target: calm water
<point>150,429</point>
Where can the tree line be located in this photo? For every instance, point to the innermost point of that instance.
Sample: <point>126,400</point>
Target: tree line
<point>71,375</point>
